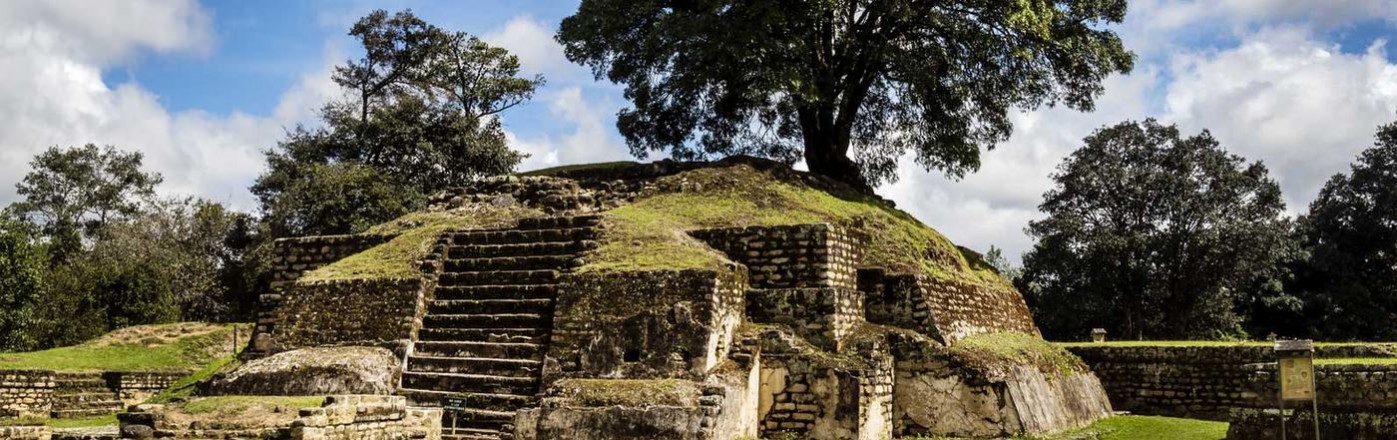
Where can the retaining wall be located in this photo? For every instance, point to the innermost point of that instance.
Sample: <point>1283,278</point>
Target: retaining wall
<point>809,255</point>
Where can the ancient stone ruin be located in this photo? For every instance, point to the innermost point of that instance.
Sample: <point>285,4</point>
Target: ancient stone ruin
<point>726,300</point>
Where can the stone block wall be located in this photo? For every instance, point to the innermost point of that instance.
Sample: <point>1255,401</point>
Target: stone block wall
<point>1208,382</point>
<point>381,313</point>
<point>642,325</point>
<point>811,255</point>
<point>26,392</point>
<point>961,309</point>
<point>944,310</point>
<point>824,316</point>
<point>134,386</point>
<point>1196,382</point>
<point>1258,424</point>
<point>25,432</point>
<point>805,393</point>
<point>344,417</point>
<point>292,258</point>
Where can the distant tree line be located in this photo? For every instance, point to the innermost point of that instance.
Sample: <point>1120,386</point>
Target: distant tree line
<point>1154,235</point>
<point>90,247</point>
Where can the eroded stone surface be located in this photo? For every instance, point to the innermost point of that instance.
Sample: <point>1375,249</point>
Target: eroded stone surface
<point>314,371</point>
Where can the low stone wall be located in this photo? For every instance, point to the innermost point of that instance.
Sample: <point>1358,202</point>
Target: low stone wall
<point>1208,382</point>
<point>25,432</point>
<point>26,392</point>
<point>809,394</point>
<point>135,386</point>
<point>810,255</point>
<point>1257,424</point>
<point>641,325</point>
<point>352,417</point>
<point>354,312</point>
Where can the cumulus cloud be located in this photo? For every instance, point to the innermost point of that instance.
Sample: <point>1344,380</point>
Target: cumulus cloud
<point>1299,104</point>
<point>1176,14</point>
<point>592,138</point>
<point>52,54</point>
<point>532,41</point>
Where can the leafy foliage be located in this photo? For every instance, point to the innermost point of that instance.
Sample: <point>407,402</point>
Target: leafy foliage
<point>73,193</point>
<point>1154,235</point>
<point>875,79</point>
<point>22,266</point>
<point>420,118</point>
<point>1351,236</point>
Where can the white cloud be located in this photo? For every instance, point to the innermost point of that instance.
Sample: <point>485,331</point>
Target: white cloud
<point>52,54</point>
<point>593,137</point>
<point>1176,14</point>
<point>1298,104</point>
<point>533,42</point>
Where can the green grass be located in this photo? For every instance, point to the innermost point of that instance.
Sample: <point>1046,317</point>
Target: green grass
<point>233,404</point>
<point>82,423</point>
<point>1357,361</point>
<point>650,234</point>
<point>1167,344</point>
<point>415,234</point>
<point>1159,428</point>
<point>189,352</point>
<point>185,387</point>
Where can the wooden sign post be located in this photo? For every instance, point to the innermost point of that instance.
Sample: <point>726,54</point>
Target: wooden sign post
<point>1295,361</point>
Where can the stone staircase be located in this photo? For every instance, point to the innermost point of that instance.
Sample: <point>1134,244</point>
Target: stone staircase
<point>484,334</point>
<point>82,395</point>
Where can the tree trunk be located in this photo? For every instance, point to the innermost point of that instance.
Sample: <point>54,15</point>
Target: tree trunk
<point>827,151</point>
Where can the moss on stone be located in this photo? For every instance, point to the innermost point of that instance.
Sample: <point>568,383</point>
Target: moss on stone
<point>414,236</point>
<point>628,392</point>
<point>993,353</point>
<point>236,404</point>
<point>651,233</point>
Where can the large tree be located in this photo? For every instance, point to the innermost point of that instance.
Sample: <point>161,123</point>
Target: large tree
<point>22,270</point>
<point>73,193</point>
<point>827,79</point>
<point>420,117</point>
<point>1153,235</point>
<point>1351,235</point>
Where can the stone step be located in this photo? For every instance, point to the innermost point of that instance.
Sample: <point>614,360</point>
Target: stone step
<point>498,291</point>
<point>487,306</point>
<point>84,413</point>
<point>523,335</point>
<point>463,433</point>
<point>483,419</point>
<point>498,402</point>
<point>110,404</point>
<point>521,249</point>
<point>576,221</point>
<point>502,350</point>
<point>100,396</point>
<point>498,277</point>
<point>484,321</point>
<point>464,365</point>
<point>470,383</point>
<point>530,262</point>
<point>518,236</point>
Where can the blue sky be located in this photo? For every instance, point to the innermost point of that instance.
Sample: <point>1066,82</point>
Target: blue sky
<point>202,87</point>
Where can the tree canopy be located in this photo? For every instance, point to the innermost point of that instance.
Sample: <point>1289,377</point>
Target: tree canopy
<point>1153,235</point>
<point>829,79</point>
<point>419,117</point>
<point>1351,235</point>
<point>73,193</point>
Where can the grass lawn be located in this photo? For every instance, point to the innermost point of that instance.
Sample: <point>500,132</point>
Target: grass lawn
<point>1357,361</point>
<point>1159,428</point>
<point>167,347</point>
<point>1206,344</point>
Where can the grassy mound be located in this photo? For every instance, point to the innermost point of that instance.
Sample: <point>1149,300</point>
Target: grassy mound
<point>994,352</point>
<point>414,235</point>
<point>165,347</point>
<point>650,234</point>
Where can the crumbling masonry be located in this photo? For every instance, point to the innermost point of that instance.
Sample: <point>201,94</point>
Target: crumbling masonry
<point>792,336</point>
